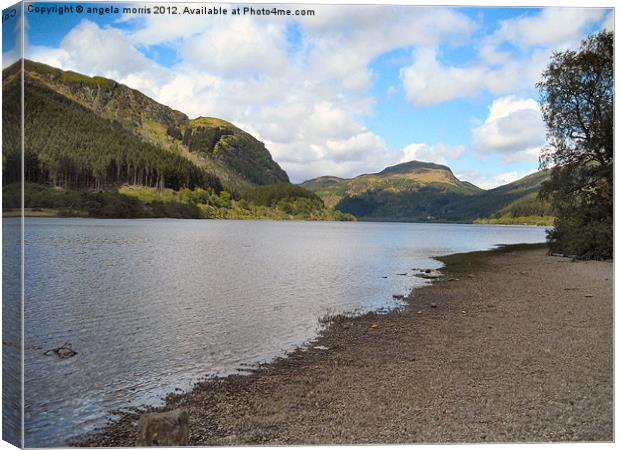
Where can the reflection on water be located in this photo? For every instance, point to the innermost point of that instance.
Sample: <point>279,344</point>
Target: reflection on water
<point>154,305</point>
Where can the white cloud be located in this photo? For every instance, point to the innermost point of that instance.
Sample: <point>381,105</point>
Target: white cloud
<point>306,98</point>
<point>608,24</point>
<point>152,29</point>
<point>427,81</point>
<point>113,54</point>
<point>514,129</point>
<point>361,153</point>
<point>355,147</point>
<point>491,181</point>
<point>439,153</point>
<point>490,54</point>
<point>55,57</point>
<point>553,27</point>
<point>114,57</point>
<point>237,47</point>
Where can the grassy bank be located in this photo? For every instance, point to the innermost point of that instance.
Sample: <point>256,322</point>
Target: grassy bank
<point>32,212</point>
<point>460,263</point>
<point>544,220</point>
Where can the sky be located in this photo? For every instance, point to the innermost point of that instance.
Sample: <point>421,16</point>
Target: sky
<point>349,90</point>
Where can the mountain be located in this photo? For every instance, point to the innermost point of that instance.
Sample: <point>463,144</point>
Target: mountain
<point>369,194</point>
<point>219,140</point>
<point>92,132</point>
<point>419,191</point>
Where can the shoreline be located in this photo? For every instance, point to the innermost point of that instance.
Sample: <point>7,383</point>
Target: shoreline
<point>458,364</point>
<point>55,213</point>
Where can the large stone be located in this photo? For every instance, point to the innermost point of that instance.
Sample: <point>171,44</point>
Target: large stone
<point>64,351</point>
<point>429,274</point>
<point>170,429</point>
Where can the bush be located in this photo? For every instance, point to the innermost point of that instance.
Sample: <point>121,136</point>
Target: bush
<point>583,231</point>
<point>271,194</point>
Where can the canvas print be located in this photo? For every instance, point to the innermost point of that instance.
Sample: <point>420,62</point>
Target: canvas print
<point>306,224</point>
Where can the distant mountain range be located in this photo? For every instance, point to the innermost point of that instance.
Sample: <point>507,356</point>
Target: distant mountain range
<point>425,192</point>
<point>94,134</point>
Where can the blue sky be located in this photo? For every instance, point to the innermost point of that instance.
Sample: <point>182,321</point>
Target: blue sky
<point>347,91</point>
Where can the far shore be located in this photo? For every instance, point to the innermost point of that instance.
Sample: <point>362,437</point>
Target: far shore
<point>32,212</point>
<point>49,212</point>
<point>511,345</point>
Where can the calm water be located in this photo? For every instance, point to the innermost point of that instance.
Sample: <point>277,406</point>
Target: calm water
<point>154,305</point>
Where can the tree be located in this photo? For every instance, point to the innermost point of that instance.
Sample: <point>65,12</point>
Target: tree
<point>577,104</point>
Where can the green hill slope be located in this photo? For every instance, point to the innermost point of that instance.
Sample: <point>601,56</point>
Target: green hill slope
<point>417,191</point>
<point>393,192</point>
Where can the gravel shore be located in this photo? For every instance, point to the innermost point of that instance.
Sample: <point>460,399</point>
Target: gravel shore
<point>517,346</point>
